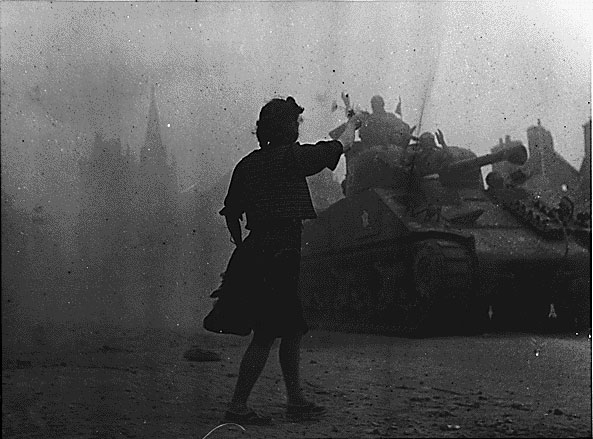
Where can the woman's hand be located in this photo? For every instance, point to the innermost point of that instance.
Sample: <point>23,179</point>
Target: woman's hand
<point>347,137</point>
<point>358,119</point>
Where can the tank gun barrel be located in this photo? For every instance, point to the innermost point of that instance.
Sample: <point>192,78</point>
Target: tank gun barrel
<point>515,154</point>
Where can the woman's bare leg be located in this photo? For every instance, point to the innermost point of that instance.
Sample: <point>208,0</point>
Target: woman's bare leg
<point>252,365</point>
<point>289,355</point>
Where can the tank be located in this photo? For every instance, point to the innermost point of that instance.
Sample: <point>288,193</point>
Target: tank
<point>421,246</point>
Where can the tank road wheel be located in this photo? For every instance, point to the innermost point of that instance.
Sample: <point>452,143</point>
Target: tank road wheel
<point>443,288</point>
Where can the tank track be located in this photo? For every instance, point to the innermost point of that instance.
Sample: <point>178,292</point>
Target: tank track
<point>444,289</point>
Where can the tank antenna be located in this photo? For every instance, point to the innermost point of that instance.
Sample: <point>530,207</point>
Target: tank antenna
<point>422,108</point>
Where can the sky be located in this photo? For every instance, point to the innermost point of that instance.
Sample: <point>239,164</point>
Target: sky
<point>477,70</point>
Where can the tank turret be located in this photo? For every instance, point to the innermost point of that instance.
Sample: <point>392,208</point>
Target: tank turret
<point>457,171</point>
<point>393,166</point>
<point>516,154</point>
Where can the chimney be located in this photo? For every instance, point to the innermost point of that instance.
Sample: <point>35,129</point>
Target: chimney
<point>585,170</point>
<point>587,133</point>
<point>541,147</point>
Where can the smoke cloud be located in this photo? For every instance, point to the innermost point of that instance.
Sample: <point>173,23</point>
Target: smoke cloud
<point>73,72</point>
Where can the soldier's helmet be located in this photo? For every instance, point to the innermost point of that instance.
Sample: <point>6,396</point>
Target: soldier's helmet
<point>377,103</point>
<point>427,140</point>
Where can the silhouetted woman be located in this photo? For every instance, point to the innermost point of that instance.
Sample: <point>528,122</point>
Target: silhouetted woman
<point>270,188</point>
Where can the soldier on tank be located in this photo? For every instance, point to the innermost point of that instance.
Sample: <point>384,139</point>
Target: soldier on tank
<point>426,157</point>
<point>384,128</point>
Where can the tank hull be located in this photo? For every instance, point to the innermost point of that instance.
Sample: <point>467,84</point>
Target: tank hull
<point>363,259</point>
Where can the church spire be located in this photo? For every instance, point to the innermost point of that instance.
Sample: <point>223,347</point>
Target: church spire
<point>153,149</point>
<point>155,175</point>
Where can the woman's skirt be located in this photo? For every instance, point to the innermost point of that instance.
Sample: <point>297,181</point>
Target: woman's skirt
<point>259,290</point>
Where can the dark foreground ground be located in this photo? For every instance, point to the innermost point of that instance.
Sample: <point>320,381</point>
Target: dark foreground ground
<point>83,382</point>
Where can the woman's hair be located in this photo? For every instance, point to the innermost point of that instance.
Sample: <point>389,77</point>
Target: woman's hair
<point>278,122</point>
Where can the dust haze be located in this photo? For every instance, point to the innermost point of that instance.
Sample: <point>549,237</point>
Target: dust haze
<point>90,91</point>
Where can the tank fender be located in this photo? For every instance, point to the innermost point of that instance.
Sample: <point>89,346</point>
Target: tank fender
<point>464,239</point>
<point>419,232</point>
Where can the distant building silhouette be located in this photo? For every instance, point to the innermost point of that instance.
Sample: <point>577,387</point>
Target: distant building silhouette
<point>156,222</point>
<point>156,183</point>
<point>103,224</point>
<point>104,178</point>
<point>550,175</point>
<point>583,195</point>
